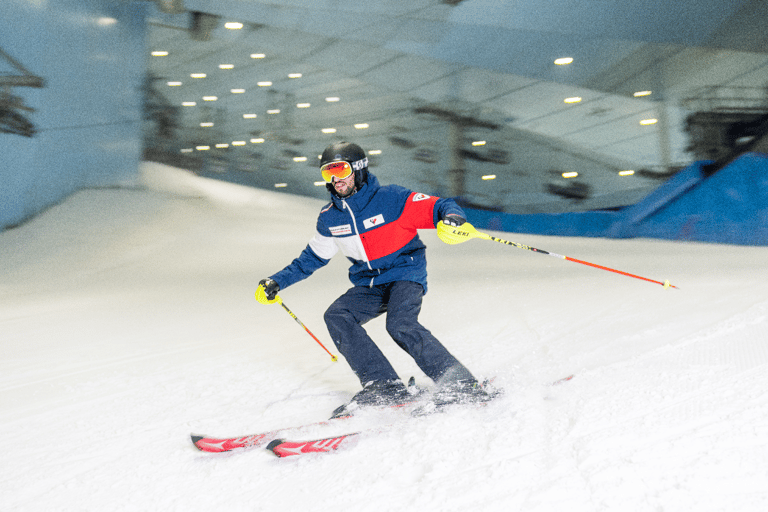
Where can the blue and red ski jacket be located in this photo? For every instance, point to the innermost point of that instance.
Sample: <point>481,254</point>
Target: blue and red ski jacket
<point>376,229</point>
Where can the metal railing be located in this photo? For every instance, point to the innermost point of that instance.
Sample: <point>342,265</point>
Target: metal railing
<point>728,99</point>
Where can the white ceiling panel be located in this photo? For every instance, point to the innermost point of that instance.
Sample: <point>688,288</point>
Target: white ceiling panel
<point>534,101</point>
<point>480,85</point>
<point>406,72</point>
<point>473,85</point>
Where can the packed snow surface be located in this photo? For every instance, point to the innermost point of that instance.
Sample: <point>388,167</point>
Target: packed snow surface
<point>128,321</point>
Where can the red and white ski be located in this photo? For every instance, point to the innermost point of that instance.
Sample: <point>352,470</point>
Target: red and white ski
<point>218,445</point>
<point>283,448</point>
<point>226,444</point>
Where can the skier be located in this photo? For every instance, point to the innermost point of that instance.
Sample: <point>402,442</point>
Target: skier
<point>375,227</point>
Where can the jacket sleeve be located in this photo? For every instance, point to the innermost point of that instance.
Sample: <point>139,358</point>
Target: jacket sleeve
<point>443,207</point>
<point>315,255</point>
<point>424,212</point>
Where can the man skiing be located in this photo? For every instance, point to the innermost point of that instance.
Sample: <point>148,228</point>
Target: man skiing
<point>375,227</point>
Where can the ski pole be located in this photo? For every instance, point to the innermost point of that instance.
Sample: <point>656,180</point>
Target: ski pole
<point>280,301</point>
<point>456,235</point>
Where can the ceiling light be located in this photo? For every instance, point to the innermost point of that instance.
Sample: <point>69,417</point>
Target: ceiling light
<point>189,103</point>
<point>249,116</point>
<point>281,185</point>
<point>564,61</point>
<point>640,94</point>
<point>222,146</point>
<point>257,141</point>
<point>332,99</point>
<point>238,143</point>
<point>233,25</point>
<point>320,183</point>
<point>237,91</point>
<point>198,75</point>
<point>159,53</point>
<point>479,143</point>
<point>187,150</point>
<point>570,174</point>
<point>210,98</point>
<point>105,22</point>
<point>174,84</point>
<point>273,111</point>
<point>299,159</point>
<point>647,122</point>
<point>294,75</point>
<point>374,152</point>
<point>263,84</point>
<point>626,173</point>
<point>202,148</point>
<point>574,99</point>
<point>257,55</point>
<point>226,66</point>
<point>489,177</point>
<point>206,125</point>
<point>361,126</point>
<point>303,105</point>
<point>328,130</point>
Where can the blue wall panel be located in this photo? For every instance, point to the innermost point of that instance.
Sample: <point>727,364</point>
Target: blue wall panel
<point>730,206</point>
<point>92,56</point>
<point>561,224</point>
<point>633,216</point>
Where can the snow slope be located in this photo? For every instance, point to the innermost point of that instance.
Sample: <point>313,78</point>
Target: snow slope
<point>127,321</point>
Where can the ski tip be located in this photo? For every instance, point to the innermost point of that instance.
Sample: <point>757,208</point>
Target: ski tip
<point>195,439</point>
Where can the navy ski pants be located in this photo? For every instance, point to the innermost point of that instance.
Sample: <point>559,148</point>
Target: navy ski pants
<point>401,301</point>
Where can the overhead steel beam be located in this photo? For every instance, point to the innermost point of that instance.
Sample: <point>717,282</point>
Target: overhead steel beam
<point>21,81</point>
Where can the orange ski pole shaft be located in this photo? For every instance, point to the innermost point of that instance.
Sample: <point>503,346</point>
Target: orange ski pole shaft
<point>456,235</point>
<point>333,357</point>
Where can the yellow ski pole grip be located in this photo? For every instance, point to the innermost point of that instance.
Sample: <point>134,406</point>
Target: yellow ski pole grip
<point>261,296</point>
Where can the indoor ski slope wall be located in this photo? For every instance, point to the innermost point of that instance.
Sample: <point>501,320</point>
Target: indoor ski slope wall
<point>91,56</point>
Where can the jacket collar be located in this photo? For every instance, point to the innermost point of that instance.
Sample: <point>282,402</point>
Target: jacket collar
<point>361,198</point>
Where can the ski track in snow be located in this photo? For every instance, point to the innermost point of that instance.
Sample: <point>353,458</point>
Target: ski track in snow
<point>127,321</point>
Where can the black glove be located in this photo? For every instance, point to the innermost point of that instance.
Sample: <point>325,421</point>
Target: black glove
<point>268,289</point>
<point>454,219</point>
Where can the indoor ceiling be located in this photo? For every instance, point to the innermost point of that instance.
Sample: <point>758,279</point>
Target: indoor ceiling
<point>419,78</point>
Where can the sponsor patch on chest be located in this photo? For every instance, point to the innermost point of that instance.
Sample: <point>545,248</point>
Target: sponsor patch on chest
<point>420,197</point>
<point>373,221</point>
<point>346,229</point>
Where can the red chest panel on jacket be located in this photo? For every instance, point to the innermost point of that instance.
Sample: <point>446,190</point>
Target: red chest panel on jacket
<point>395,234</point>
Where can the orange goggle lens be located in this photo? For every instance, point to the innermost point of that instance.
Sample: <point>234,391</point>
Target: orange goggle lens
<point>340,170</point>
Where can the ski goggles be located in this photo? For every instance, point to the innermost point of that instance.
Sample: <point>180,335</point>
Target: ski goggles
<point>340,170</point>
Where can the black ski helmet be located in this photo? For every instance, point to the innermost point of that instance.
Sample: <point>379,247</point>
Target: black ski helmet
<point>347,152</point>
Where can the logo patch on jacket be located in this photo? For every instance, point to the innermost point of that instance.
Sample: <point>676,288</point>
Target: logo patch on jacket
<point>346,229</point>
<point>420,197</point>
<point>373,221</point>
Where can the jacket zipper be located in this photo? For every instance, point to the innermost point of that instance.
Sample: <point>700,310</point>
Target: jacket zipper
<point>357,232</point>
